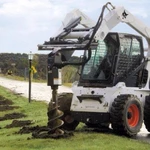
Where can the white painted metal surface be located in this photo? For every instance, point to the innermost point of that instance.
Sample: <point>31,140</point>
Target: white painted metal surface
<point>108,93</point>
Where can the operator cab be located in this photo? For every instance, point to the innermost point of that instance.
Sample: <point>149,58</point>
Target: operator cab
<point>113,61</point>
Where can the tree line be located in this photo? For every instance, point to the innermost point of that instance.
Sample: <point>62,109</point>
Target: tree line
<point>18,65</point>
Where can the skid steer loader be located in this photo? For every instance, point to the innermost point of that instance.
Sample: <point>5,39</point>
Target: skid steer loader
<point>114,84</point>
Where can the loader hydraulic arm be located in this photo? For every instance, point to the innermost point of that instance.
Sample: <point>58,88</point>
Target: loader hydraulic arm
<point>74,38</point>
<point>69,38</point>
<point>118,15</point>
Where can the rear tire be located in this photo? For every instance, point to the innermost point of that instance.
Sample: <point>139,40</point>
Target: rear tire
<point>64,103</point>
<point>147,113</point>
<point>126,115</point>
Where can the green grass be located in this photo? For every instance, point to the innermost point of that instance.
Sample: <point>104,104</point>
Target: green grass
<point>67,84</point>
<point>81,140</point>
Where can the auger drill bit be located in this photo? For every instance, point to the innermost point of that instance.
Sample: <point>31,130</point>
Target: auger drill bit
<point>54,123</point>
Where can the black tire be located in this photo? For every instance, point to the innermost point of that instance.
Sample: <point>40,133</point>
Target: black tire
<point>64,103</point>
<point>126,115</point>
<point>147,113</point>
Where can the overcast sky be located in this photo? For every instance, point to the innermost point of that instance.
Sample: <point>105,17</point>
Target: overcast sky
<point>26,23</point>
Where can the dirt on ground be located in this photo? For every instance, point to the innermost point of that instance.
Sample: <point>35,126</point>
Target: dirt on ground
<point>36,131</point>
<point>19,123</point>
<point>4,101</point>
<point>44,132</point>
<point>12,116</point>
<point>26,129</point>
<point>6,104</point>
<point>7,107</point>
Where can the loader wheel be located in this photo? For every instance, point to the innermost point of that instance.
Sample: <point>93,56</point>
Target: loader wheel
<point>64,103</point>
<point>147,113</point>
<point>126,115</point>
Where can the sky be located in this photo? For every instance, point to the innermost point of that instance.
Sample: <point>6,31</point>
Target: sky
<point>26,23</point>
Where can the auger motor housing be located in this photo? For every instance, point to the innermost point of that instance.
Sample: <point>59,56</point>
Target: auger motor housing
<point>54,73</point>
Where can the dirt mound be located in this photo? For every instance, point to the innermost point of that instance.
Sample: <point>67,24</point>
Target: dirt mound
<point>43,132</point>
<point>7,107</point>
<point>19,123</point>
<point>5,102</point>
<point>1,98</point>
<point>25,129</point>
<point>12,116</point>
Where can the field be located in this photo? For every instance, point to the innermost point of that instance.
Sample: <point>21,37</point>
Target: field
<point>14,107</point>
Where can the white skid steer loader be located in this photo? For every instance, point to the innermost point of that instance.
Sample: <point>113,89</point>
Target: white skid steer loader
<point>114,83</point>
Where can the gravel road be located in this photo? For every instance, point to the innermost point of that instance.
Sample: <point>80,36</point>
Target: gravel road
<point>42,92</point>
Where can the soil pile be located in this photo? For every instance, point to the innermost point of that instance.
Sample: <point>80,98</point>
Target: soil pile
<point>19,123</point>
<point>12,116</point>
<point>43,132</point>
<point>37,131</point>
<point>4,101</point>
<point>6,104</point>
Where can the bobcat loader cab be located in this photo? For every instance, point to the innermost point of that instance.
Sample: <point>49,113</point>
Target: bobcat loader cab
<point>114,84</point>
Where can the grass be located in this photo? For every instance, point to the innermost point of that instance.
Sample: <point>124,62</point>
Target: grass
<point>81,140</point>
<point>67,84</point>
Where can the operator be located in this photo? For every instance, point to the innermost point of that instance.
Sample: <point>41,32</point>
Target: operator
<point>105,66</point>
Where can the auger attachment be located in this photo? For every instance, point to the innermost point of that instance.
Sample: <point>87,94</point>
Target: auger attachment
<point>54,80</point>
<point>54,114</point>
<point>52,130</point>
